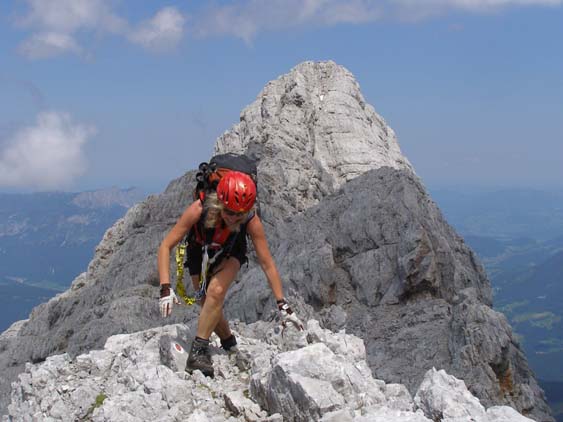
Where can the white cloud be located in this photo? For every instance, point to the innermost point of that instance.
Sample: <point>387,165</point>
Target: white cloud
<point>420,9</point>
<point>244,19</point>
<point>70,15</point>
<point>482,4</point>
<point>47,155</point>
<point>162,32</point>
<point>55,23</point>
<point>58,26</point>
<point>48,44</point>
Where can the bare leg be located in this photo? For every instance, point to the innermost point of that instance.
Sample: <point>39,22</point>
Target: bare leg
<point>222,328</point>
<point>211,317</point>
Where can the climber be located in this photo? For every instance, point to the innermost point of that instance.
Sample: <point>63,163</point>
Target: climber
<point>217,227</point>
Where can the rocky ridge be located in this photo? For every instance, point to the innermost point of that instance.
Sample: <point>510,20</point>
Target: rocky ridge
<point>316,375</point>
<point>108,198</point>
<point>358,241</point>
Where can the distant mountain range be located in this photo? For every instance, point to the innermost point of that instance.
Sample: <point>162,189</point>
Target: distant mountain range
<point>509,214</point>
<point>47,239</point>
<point>518,234</point>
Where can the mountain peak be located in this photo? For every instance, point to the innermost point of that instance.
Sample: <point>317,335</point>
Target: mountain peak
<point>313,131</point>
<point>106,198</point>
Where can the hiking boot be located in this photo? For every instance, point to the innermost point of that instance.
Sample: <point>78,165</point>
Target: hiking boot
<point>229,343</point>
<point>199,358</point>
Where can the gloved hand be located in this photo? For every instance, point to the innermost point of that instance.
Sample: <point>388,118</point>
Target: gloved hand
<point>288,316</point>
<point>167,300</point>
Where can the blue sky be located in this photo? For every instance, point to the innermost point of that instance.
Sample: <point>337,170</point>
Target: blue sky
<point>99,93</point>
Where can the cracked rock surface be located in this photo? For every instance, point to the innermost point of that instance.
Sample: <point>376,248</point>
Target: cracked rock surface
<point>315,375</point>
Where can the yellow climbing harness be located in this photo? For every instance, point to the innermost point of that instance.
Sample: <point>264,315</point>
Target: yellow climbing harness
<point>180,288</point>
<point>204,273</point>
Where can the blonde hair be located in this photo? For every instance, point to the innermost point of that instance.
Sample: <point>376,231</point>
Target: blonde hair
<point>212,208</point>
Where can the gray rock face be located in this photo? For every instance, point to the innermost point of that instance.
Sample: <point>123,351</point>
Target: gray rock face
<point>300,379</point>
<point>358,241</point>
<point>379,252</point>
<point>444,397</point>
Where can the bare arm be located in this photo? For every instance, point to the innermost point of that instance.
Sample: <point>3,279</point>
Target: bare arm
<point>256,231</point>
<point>190,217</point>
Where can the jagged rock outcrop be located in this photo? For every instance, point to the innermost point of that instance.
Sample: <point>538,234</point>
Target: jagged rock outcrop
<point>357,239</point>
<point>316,375</point>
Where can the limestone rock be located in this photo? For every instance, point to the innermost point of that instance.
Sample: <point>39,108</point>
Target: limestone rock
<point>312,131</point>
<point>341,343</point>
<point>174,352</point>
<point>239,404</point>
<point>505,414</point>
<point>384,414</point>
<point>444,397</point>
<point>129,380</point>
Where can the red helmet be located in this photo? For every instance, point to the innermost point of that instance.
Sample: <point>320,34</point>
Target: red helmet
<point>237,191</point>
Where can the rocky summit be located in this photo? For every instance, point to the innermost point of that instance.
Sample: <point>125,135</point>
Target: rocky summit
<point>315,375</point>
<point>312,131</point>
<point>360,246</point>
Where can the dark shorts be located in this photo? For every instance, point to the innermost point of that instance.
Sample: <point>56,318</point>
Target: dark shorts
<point>194,255</point>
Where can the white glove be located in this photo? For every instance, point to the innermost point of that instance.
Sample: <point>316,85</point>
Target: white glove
<point>167,300</point>
<point>288,316</point>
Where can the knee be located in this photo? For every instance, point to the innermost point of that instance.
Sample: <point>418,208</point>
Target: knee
<point>216,292</point>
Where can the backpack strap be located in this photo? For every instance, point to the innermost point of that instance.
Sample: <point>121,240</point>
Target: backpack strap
<point>199,230</point>
<point>242,231</point>
<point>250,217</point>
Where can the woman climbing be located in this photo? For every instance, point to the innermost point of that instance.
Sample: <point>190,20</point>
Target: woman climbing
<point>217,226</point>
